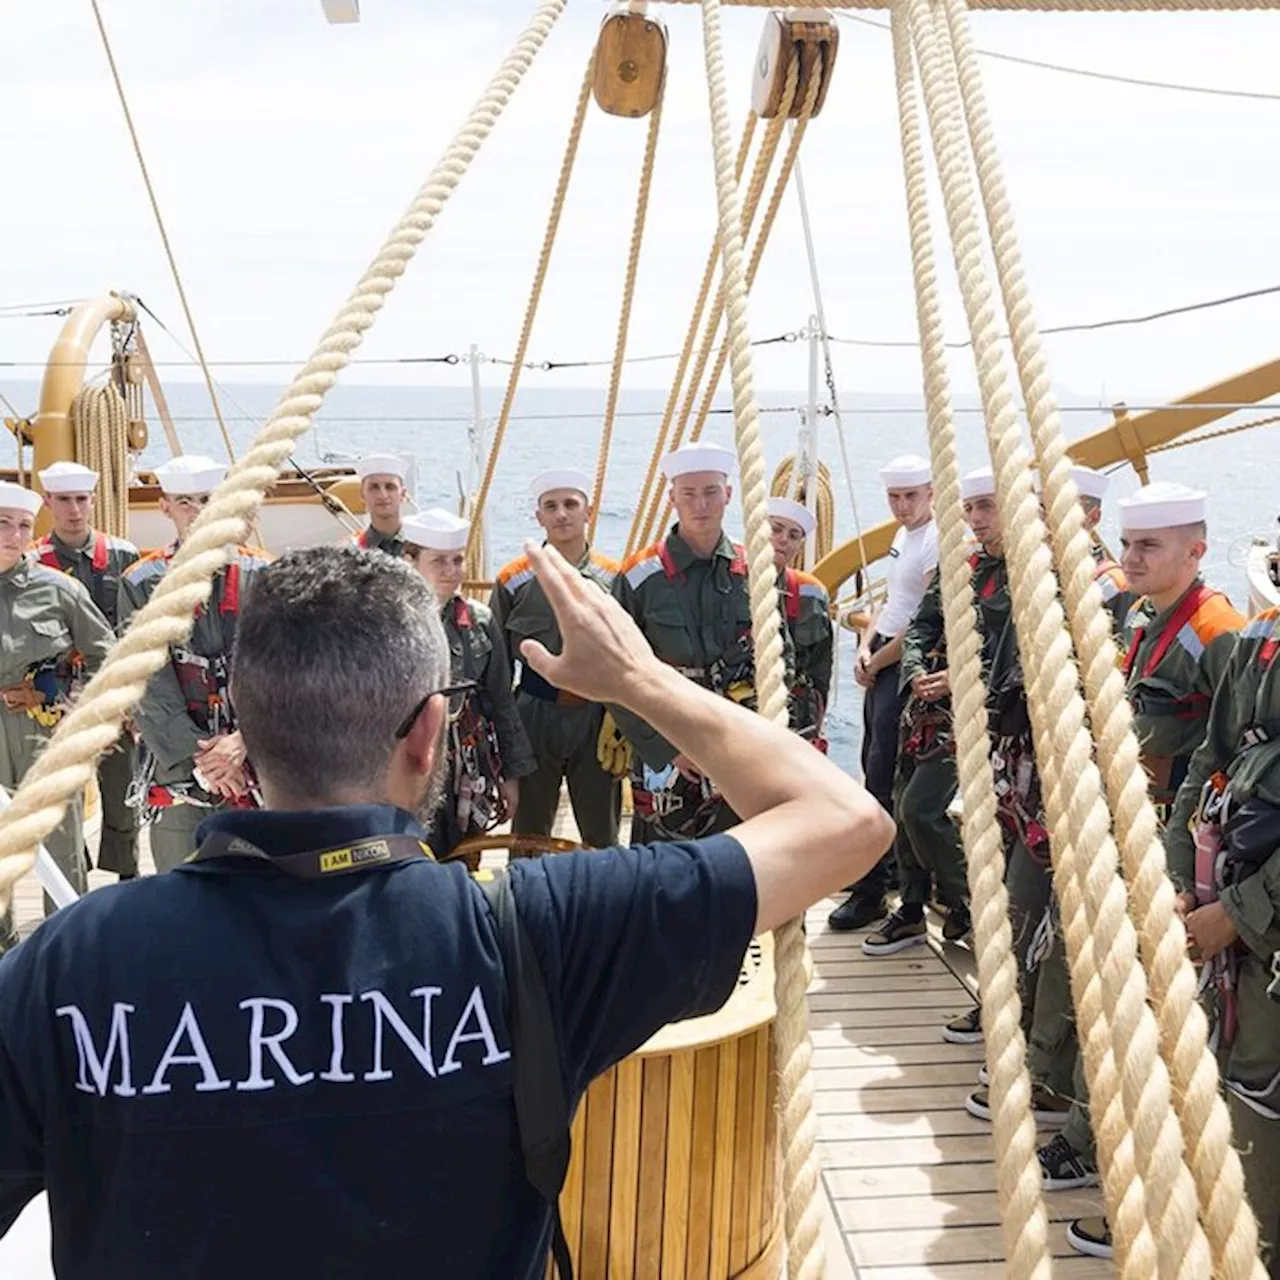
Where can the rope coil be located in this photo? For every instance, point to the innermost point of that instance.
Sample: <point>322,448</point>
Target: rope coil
<point>100,425</point>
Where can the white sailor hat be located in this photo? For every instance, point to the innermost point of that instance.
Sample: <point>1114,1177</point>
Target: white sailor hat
<point>796,512</point>
<point>1091,483</point>
<point>382,464</point>
<point>189,473</point>
<point>436,530</point>
<point>16,497</point>
<point>1162,506</point>
<point>906,472</point>
<point>68,477</point>
<point>701,455</point>
<point>564,478</point>
<point>978,484</point>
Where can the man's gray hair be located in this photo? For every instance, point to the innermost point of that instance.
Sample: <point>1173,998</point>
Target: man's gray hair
<point>334,647</point>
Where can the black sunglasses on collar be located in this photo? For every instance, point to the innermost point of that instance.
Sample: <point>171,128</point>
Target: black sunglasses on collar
<point>450,691</point>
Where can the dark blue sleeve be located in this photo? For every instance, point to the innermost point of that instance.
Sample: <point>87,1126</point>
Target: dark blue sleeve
<point>21,1148</point>
<point>632,939</point>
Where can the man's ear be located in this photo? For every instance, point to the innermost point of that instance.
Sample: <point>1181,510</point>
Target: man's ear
<point>425,741</point>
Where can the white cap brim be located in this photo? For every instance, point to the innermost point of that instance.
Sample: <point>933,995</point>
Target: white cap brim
<point>436,530</point>
<point>382,464</point>
<point>906,472</point>
<point>1163,506</point>
<point>68,477</point>
<point>1091,483</point>
<point>16,497</point>
<point>978,484</point>
<point>189,474</point>
<point>690,459</point>
<point>565,478</point>
<point>797,513</point>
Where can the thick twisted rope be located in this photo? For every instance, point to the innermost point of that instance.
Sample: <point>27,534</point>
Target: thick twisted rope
<point>531,307</point>
<point>1205,1121</point>
<point>1019,1180</point>
<point>628,298</point>
<point>1085,855</point>
<point>806,1256</point>
<point>780,183</point>
<point>100,424</point>
<point>67,763</point>
<point>656,513</point>
<point>686,353</point>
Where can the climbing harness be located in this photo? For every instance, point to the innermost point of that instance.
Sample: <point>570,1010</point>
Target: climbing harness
<point>48,688</point>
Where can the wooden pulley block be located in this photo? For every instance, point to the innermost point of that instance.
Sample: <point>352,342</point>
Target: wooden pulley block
<point>631,61</point>
<point>811,32</point>
<point>138,435</point>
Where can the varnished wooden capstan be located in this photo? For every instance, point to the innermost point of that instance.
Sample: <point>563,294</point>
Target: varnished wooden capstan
<point>811,32</point>
<point>631,61</point>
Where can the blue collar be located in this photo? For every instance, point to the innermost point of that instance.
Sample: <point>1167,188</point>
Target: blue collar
<point>284,832</point>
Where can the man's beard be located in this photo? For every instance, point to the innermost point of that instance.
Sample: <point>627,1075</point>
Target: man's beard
<point>432,798</point>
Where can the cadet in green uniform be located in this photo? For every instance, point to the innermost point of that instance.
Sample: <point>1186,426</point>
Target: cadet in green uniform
<point>97,560</point>
<point>489,751</point>
<point>690,597</point>
<point>193,760</point>
<point>51,635</point>
<point>382,477</point>
<point>931,853</point>
<point>1179,638</point>
<point>807,610</point>
<point>1223,841</point>
<point>563,729</point>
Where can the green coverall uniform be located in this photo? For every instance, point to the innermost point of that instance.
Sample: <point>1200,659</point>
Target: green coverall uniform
<point>807,609</point>
<point>99,564</point>
<point>562,728</point>
<point>371,540</point>
<point>45,616</point>
<point>696,615</point>
<point>1243,741</point>
<point>931,851</point>
<point>182,705</point>
<point>1173,662</point>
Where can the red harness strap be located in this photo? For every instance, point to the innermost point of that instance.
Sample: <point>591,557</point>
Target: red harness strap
<point>461,613</point>
<point>98,562</point>
<point>737,566</point>
<point>1191,602</point>
<point>231,596</point>
<point>793,595</point>
<point>988,588</point>
<point>362,539</point>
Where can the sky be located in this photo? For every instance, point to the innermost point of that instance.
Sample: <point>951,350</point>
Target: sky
<point>283,148</point>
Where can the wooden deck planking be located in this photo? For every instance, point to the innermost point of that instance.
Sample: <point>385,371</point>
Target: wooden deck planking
<point>909,1174</point>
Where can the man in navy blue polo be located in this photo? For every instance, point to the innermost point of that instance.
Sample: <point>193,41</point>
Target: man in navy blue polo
<point>291,1056</point>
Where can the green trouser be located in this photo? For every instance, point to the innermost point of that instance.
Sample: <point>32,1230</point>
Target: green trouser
<point>1029,884</point>
<point>564,744</point>
<point>928,837</point>
<point>173,833</point>
<point>118,846</point>
<point>21,740</point>
<point>1053,1049</point>
<point>1253,1062</point>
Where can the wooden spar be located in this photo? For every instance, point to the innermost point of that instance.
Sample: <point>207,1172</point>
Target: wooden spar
<point>1127,439</point>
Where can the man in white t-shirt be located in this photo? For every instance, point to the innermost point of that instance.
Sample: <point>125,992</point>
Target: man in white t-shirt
<point>913,561</point>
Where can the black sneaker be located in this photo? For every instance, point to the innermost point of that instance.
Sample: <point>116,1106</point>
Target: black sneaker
<point>966,1029</point>
<point>957,926</point>
<point>1048,1109</point>
<point>897,933</point>
<point>1065,1168</point>
<point>857,912</point>
<point>1091,1236</point>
